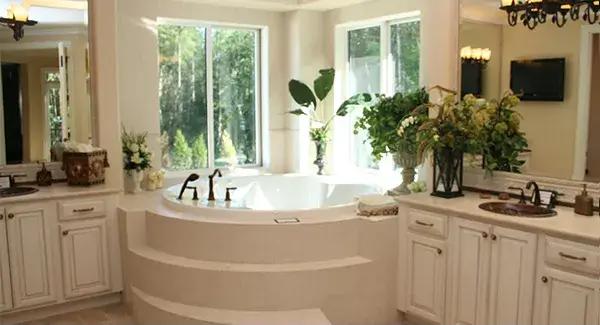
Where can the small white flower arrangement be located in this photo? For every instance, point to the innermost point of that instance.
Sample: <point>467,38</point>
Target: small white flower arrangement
<point>136,155</point>
<point>407,122</point>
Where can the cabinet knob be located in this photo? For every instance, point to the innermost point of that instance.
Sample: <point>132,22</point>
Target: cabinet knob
<point>544,279</point>
<point>65,233</point>
<point>484,235</point>
<point>1,217</point>
<point>494,237</point>
<point>439,251</point>
<point>11,216</point>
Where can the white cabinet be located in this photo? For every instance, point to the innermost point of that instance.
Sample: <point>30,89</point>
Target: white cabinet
<point>85,258</point>
<point>426,277</point>
<point>566,298</point>
<point>5,286</point>
<point>30,251</point>
<point>493,274</point>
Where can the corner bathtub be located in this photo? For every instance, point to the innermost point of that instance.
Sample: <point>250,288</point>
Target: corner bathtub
<point>273,198</point>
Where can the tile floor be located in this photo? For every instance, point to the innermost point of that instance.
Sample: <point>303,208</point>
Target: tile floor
<point>109,315</point>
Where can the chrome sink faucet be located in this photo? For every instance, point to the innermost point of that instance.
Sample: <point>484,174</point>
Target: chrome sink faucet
<point>211,184</point>
<point>535,196</point>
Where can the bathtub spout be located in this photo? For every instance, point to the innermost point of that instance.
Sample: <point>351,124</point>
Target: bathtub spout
<point>211,184</point>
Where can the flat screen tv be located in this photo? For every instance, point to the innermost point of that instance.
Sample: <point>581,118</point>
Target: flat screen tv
<point>538,80</point>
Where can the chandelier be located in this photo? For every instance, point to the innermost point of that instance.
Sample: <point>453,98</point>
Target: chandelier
<point>534,12</point>
<point>17,18</point>
<point>475,55</point>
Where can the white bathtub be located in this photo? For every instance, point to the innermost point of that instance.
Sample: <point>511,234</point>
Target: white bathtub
<point>285,195</point>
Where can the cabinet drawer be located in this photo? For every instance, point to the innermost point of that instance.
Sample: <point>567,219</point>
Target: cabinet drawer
<point>575,256</point>
<point>427,222</point>
<point>73,210</point>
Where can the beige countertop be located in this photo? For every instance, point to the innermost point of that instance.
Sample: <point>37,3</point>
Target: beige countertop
<point>60,191</point>
<point>566,224</point>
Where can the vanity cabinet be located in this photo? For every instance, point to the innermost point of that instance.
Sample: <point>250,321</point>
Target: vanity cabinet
<point>85,258</point>
<point>493,274</point>
<point>31,253</point>
<point>5,287</point>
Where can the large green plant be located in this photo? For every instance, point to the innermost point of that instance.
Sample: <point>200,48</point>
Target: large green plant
<point>392,123</point>
<point>312,100</point>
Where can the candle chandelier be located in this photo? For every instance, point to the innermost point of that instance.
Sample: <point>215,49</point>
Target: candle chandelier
<point>475,55</point>
<point>534,12</point>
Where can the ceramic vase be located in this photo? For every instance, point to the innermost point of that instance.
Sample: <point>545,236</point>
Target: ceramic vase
<point>408,162</point>
<point>133,181</point>
<point>448,173</point>
<point>320,161</point>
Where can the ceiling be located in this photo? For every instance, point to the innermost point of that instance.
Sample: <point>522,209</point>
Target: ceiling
<point>487,11</point>
<point>283,5</point>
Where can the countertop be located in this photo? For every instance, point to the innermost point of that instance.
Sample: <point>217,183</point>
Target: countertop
<point>565,225</point>
<point>60,191</point>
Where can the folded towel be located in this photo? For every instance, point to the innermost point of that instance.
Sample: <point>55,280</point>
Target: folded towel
<point>377,205</point>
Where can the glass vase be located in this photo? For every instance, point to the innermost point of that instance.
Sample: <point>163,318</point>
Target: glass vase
<point>320,160</point>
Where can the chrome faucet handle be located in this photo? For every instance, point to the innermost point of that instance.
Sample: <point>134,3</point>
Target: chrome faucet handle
<point>522,199</point>
<point>228,193</point>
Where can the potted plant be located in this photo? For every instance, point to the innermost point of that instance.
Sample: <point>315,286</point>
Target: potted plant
<point>502,142</point>
<point>392,125</point>
<point>312,100</point>
<point>448,136</point>
<point>136,158</point>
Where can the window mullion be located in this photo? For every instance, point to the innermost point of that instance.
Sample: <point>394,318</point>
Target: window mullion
<point>210,109</point>
<point>384,60</point>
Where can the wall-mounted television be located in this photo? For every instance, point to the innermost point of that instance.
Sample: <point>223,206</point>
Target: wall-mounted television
<point>538,80</point>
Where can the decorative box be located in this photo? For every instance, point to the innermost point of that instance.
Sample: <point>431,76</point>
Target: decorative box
<point>85,168</point>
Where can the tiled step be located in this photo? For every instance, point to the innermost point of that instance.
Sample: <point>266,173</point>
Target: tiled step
<point>253,243</point>
<point>241,285</point>
<point>150,310</point>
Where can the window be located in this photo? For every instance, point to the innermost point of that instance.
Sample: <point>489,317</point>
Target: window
<point>209,96</point>
<point>54,120</point>
<point>381,58</point>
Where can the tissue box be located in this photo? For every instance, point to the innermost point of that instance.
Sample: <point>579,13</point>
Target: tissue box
<point>85,168</point>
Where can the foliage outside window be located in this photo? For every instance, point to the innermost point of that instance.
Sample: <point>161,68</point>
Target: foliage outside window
<point>367,72</point>
<point>189,56</point>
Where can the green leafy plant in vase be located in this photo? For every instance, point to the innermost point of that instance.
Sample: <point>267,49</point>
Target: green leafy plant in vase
<point>392,124</point>
<point>311,102</point>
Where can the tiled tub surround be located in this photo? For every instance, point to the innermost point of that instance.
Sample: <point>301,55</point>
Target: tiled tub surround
<point>205,266</point>
<point>459,264</point>
<point>60,252</point>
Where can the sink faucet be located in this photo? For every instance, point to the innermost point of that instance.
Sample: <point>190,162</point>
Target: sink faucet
<point>191,178</point>
<point>211,184</point>
<point>535,197</point>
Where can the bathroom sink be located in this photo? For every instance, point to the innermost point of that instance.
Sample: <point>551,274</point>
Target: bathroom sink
<point>518,210</point>
<point>16,191</point>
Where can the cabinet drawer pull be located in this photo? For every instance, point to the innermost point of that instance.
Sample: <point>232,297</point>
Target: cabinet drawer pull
<point>424,224</point>
<point>571,257</point>
<point>65,233</point>
<point>439,251</point>
<point>1,217</point>
<point>484,235</point>
<point>494,237</point>
<point>544,279</point>
<point>83,210</point>
<point>11,216</point>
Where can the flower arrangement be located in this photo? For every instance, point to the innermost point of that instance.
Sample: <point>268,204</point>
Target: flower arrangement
<point>136,155</point>
<point>393,123</point>
<point>499,133</point>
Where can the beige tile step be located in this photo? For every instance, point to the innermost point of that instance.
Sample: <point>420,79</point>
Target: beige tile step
<point>149,310</point>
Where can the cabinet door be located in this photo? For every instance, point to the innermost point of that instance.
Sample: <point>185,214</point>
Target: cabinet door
<point>85,258</point>
<point>512,277</point>
<point>30,251</point>
<point>426,277</point>
<point>5,286</point>
<point>567,299</point>
<point>471,259</point>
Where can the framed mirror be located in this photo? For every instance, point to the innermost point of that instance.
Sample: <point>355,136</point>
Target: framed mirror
<point>553,69</point>
<point>45,83</point>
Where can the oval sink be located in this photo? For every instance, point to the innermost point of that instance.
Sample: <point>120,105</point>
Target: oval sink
<point>518,210</point>
<point>17,191</point>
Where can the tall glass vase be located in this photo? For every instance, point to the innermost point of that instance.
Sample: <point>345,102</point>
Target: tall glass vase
<point>320,160</point>
<point>448,173</point>
<point>408,162</point>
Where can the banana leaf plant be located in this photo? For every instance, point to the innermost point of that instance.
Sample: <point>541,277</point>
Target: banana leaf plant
<point>312,100</point>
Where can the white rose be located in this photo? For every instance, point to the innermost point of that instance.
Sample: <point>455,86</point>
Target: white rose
<point>134,147</point>
<point>135,158</point>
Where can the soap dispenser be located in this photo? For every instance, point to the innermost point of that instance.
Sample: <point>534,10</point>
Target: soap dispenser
<point>584,204</point>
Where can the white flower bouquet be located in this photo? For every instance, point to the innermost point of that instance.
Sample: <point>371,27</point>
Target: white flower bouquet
<point>136,155</point>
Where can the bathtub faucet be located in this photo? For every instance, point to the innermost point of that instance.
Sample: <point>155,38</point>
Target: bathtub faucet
<point>191,178</point>
<point>211,184</point>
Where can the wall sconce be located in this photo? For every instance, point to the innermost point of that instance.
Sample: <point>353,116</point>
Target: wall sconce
<point>17,16</point>
<point>475,55</point>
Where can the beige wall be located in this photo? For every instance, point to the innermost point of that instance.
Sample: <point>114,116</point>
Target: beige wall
<point>550,126</point>
<point>481,35</point>
<point>593,153</point>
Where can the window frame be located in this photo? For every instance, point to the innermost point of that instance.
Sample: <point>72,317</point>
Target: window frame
<point>343,158</point>
<point>261,97</point>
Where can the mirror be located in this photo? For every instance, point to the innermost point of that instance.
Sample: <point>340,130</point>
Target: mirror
<point>45,91</point>
<point>560,115</point>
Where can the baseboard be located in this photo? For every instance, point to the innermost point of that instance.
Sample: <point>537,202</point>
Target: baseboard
<point>24,316</point>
